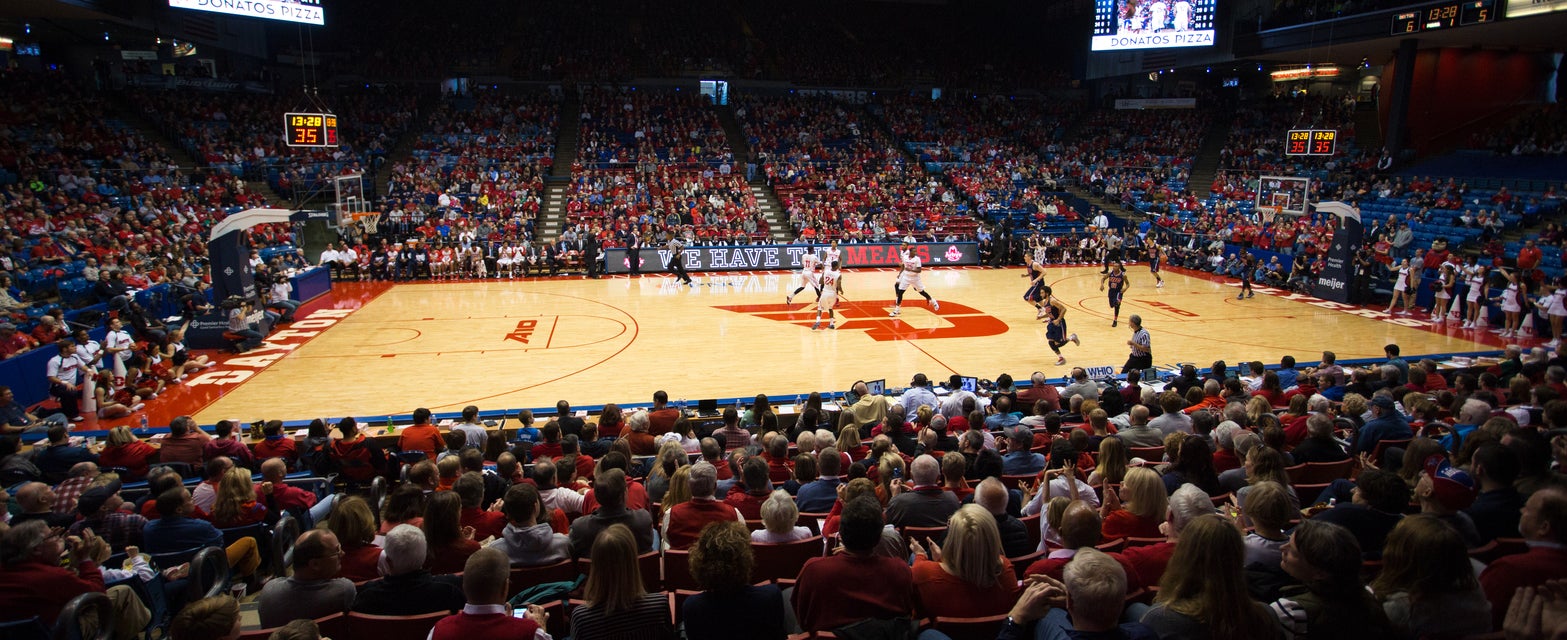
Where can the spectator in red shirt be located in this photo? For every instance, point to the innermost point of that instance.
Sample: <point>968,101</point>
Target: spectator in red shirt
<point>833,591</point>
<point>486,523</point>
<point>34,583</point>
<point>228,444</point>
<point>280,497</point>
<point>275,443</point>
<point>422,436</point>
<point>966,576</point>
<point>127,451</point>
<point>236,504</point>
<point>1543,524</point>
<point>748,495</point>
<point>13,342</point>
<point>185,443</point>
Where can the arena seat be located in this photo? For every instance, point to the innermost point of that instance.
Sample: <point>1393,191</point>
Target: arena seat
<point>525,577</point>
<point>414,627</point>
<point>677,571</point>
<point>332,626</point>
<point>650,564</point>
<point>784,561</point>
<point>984,628</point>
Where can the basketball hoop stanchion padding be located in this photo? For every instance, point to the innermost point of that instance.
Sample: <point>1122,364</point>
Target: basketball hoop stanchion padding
<point>229,252</point>
<point>1336,282</point>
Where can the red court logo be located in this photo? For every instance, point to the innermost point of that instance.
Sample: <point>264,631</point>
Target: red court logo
<point>870,316</point>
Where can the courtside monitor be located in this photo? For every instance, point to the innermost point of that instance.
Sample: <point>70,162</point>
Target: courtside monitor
<point>300,11</point>
<point>1122,25</point>
<point>876,387</point>
<point>970,384</point>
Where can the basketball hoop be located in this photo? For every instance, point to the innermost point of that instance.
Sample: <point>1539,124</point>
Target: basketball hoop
<point>1268,213</point>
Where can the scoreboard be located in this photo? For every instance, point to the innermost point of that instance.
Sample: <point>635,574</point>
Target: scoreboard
<point>310,129</point>
<point>1311,142</point>
<point>1444,16</point>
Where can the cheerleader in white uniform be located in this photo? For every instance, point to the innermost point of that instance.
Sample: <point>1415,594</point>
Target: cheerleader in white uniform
<point>1445,280</point>
<point>1556,308</point>
<point>1401,290</point>
<point>1510,304</point>
<point>1475,277</point>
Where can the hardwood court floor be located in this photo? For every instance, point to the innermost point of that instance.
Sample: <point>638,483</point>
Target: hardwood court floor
<point>529,343</point>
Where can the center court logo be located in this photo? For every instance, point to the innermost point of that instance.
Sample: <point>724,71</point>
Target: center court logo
<point>870,316</point>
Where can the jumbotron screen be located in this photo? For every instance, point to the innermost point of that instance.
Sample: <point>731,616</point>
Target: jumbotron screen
<point>301,11</point>
<point>1121,25</point>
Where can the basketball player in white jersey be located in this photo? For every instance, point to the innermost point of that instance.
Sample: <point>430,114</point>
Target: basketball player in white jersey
<point>810,275</point>
<point>831,254</point>
<point>831,283</point>
<point>505,258</point>
<point>1183,15</point>
<point>1160,12</point>
<point>909,278</point>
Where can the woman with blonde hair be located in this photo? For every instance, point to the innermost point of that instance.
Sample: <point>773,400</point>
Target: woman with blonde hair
<point>966,576</point>
<point>354,525</point>
<point>1265,464</point>
<point>779,515</point>
<point>1112,463</point>
<point>679,491</point>
<point>236,504</point>
<point>616,602</point>
<point>1203,591</point>
<point>889,468</point>
<point>1427,586</point>
<point>671,456</point>
<point>1256,407</point>
<point>1137,510</point>
<point>127,451</point>
<point>849,442</point>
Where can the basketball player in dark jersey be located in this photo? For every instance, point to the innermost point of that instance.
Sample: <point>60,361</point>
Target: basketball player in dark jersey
<point>1055,324</point>
<point>1118,283</point>
<point>1155,261</point>
<point>1248,271</point>
<point>1036,281</point>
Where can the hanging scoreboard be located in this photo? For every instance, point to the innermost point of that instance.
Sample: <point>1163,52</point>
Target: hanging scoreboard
<point>1311,142</point>
<point>310,129</point>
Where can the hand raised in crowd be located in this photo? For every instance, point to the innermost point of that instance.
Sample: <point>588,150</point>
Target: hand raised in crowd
<point>266,488</point>
<point>496,506</point>
<point>1537,612</point>
<point>1111,503</point>
<point>934,552</point>
<point>1043,594</point>
<point>468,533</point>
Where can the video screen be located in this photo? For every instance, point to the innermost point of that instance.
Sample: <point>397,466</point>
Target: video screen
<point>300,11</point>
<point>1123,25</point>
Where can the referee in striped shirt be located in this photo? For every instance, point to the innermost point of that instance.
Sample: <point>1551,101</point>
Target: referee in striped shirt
<point>1141,358</point>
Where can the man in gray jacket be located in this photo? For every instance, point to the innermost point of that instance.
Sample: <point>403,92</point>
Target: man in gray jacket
<point>526,541</point>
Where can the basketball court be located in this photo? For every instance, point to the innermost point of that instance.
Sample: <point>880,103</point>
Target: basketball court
<point>373,349</point>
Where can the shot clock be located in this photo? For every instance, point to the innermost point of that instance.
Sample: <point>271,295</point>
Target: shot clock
<point>1311,142</point>
<point>310,129</point>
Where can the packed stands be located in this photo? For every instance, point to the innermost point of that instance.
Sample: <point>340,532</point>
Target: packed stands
<point>86,195</point>
<point>241,133</point>
<point>839,177</point>
<point>990,149</point>
<point>1540,131</point>
<point>485,156</point>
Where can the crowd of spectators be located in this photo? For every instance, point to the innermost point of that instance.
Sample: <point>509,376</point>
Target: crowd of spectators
<point>840,177</point>
<point>990,149</point>
<point>1189,508</point>
<point>242,134</point>
<point>484,156</point>
<point>95,212</point>
<point>1536,132</point>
